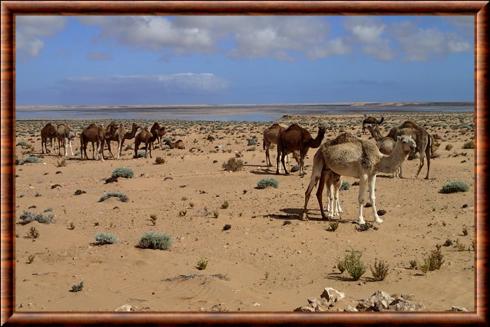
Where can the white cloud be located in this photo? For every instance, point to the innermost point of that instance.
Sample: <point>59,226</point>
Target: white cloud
<point>251,37</point>
<point>370,33</point>
<point>419,44</point>
<point>31,29</point>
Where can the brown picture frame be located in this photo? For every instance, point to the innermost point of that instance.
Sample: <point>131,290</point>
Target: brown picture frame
<point>480,10</point>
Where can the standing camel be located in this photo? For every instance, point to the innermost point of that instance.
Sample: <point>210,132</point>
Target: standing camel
<point>159,132</point>
<point>47,132</point>
<point>115,132</point>
<point>360,159</point>
<point>370,121</point>
<point>64,134</point>
<point>271,136</point>
<point>96,135</point>
<point>423,139</point>
<point>129,135</point>
<point>296,138</point>
<point>143,137</point>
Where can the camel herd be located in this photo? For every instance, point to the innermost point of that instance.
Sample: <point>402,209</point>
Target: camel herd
<point>345,155</point>
<point>99,136</point>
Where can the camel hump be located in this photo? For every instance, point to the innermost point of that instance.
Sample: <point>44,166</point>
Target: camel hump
<point>344,138</point>
<point>293,127</point>
<point>408,124</point>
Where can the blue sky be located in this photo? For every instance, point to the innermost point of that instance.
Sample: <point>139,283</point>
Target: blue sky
<point>243,60</point>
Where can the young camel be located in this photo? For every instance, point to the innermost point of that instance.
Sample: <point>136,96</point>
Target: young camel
<point>94,134</point>
<point>47,132</point>
<point>64,134</point>
<point>179,144</point>
<point>360,159</point>
<point>370,121</point>
<point>296,138</point>
<point>129,135</point>
<point>424,140</point>
<point>159,132</point>
<point>143,137</point>
<point>271,136</point>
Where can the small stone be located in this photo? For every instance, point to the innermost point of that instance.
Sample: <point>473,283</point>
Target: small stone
<point>458,309</point>
<point>350,308</point>
<point>332,295</point>
<point>381,212</point>
<point>125,308</point>
<point>226,227</point>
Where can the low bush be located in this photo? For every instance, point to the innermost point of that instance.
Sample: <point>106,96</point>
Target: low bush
<point>353,264</point>
<point>469,145</point>
<point>434,261</point>
<point>379,270</point>
<point>453,187</point>
<point>105,238</point>
<point>122,172</point>
<point>121,196</point>
<point>27,217</point>
<point>267,182</point>
<point>152,240</point>
<point>202,264</point>
<point>233,164</point>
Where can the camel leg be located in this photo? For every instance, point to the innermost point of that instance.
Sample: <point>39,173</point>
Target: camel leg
<point>361,199</point>
<point>121,147</point>
<point>315,176</point>
<point>428,154</point>
<point>150,149</point>
<point>421,164</point>
<point>372,197</point>
<point>278,157</point>
<point>319,193</point>
<point>71,147</point>
<point>336,192</point>
<point>400,172</point>
<point>268,162</point>
<point>283,155</point>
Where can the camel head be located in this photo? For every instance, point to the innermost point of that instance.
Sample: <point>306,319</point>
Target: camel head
<point>407,142</point>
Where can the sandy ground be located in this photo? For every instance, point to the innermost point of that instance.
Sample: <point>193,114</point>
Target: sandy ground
<point>262,263</point>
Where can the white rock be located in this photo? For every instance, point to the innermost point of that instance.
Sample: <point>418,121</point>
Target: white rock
<point>350,308</point>
<point>125,308</point>
<point>458,309</point>
<point>332,295</point>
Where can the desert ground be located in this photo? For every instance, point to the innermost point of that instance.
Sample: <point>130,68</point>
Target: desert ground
<point>269,259</point>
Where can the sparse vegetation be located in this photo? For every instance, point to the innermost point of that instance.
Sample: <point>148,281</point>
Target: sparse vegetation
<point>202,264</point>
<point>465,231</point>
<point>469,145</point>
<point>33,233</point>
<point>30,259</point>
<point>449,147</point>
<point>159,161</point>
<point>27,217</point>
<point>453,187</point>
<point>353,264</point>
<point>28,159</point>
<point>122,172</point>
<point>332,227</point>
<point>341,266</point>
<point>105,238</point>
<point>379,270</point>
<point>434,261</point>
<point>77,287</point>
<point>152,240</point>
<point>413,264</point>
<point>267,182</point>
<point>344,186</point>
<point>121,196</point>
<point>225,205</point>
<point>61,163</point>
<point>233,164</point>
<point>153,219</point>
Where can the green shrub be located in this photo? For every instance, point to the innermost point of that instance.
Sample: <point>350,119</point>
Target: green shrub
<point>344,186</point>
<point>121,196</point>
<point>267,182</point>
<point>202,264</point>
<point>27,217</point>
<point>469,145</point>
<point>30,159</point>
<point>105,238</point>
<point>453,187</point>
<point>122,172</point>
<point>233,164</point>
<point>434,261</point>
<point>353,264</point>
<point>22,144</point>
<point>341,266</point>
<point>152,240</point>
<point>77,287</point>
<point>413,264</point>
<point>379,270</point>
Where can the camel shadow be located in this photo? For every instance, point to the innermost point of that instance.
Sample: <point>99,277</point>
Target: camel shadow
<point>339,277</point>
<point>263,172</point>
<point>292,212</point>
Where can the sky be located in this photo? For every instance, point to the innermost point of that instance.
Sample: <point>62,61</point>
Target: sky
<point>117,60</point>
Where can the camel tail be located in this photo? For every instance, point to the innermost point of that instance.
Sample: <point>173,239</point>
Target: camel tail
<point>381,120</point>
<point>429,145</point>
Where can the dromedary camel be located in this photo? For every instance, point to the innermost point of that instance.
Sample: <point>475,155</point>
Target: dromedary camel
<point>94,134</point>
<point>423,139</point>
<point>117,132</point>
<point>371,121</point>
<point>47,132</point>
<point>159,131</point>
<point>385,144</point>
<point>271,136</point>
<point>296,138</point>
<point>360,159</point>
<point>179,144</point>
<point>129,135</point>
<point>143,137</point>
<point>64,134</point>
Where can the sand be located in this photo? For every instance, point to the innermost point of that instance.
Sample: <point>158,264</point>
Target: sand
<point>268,260</point>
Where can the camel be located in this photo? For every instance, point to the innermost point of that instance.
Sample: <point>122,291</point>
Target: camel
<point>143,137</point>
<point>47,132</point>
<point>94,134</point>
<point>350,156</point>
<point>117,132</point>
<point>159,131</point>
<point>371,121</point>
<point>271,136</point>
<point>296,138</point>
<point>129,135</point>
<point>425,142</point>
<point>64,134</point>
<point>175,145</point>
<point>385,144</point>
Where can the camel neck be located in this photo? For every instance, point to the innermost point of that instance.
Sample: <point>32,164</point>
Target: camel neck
<point>389,164</point>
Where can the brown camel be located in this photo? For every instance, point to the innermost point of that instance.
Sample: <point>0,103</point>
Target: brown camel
<point>143,137</point>
<point>47,132</point>
<point>271,136</point>
<point>159,132</point>
<point>425,142</point>
<point>175,145</point>
<point>64,134</point>
<point>296,138</point>
<point>371,121</point>
<point>117,132</point>
<point>94,134</point>
<point>129,135</point>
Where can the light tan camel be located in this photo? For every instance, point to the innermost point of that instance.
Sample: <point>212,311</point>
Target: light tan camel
<point>385,144</point>
<point>47,132</point>
<point>360,159</point>
<point>179,144</point>
<point>423,139</point>
<point>64,134</point>
<point>296,138</point>
<point>371,121</point>
<point>271,136</point>
<point>143,137</point>
<point>94,134</point>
